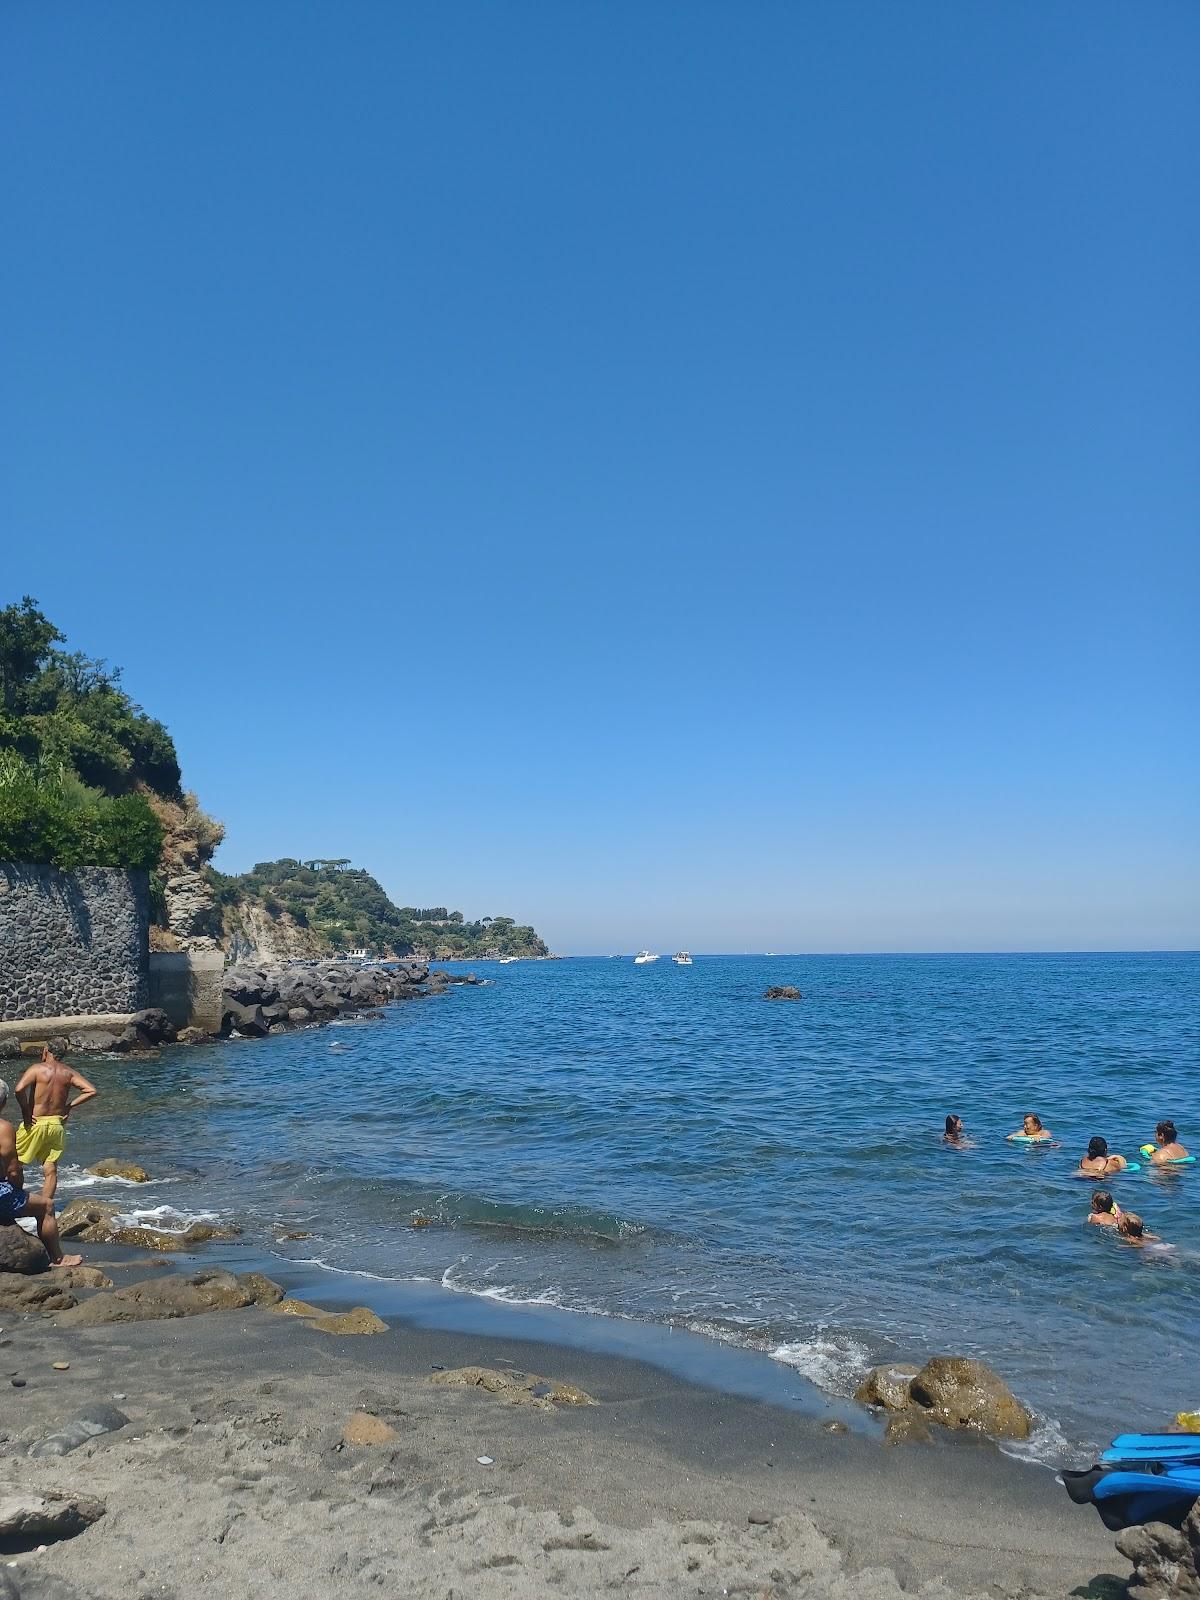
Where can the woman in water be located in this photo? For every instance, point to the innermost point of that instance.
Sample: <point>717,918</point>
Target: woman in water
<point>1166,1136</point>
<point>954,1131</point>
<point>1032,1131</point>
<point>1098,1163</point>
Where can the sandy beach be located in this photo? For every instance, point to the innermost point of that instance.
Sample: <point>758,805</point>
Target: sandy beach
<point>238,1468</point>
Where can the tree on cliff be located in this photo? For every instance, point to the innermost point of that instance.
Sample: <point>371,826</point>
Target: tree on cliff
<point>77,756</point>
<point>67,709</point>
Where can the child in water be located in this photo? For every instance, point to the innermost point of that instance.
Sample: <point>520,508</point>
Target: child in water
<point>1105,1213</point>
<point>1032,1131</point>
<point>1133,1231</point>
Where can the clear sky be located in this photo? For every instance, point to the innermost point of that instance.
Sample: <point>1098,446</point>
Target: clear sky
<point>719,475</point>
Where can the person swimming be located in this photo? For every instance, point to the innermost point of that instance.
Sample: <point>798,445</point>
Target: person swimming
<point>1133,1230</point>
<point>1166,1136</point>
<point>1032,1131</point>
<point>1098,1163</point>
<point>1105,1212</point>
<point>954,1130</point>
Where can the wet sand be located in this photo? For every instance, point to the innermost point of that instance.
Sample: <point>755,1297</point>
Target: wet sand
<point>233,1472</point>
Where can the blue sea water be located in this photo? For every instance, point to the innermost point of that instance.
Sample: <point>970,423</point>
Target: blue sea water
<point>660,1143</point>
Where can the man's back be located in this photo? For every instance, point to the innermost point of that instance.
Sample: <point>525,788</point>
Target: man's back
<point>51,1088</point>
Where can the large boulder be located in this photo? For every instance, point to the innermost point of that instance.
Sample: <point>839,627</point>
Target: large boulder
<point>153,1027</point>
<point>961,1393</point>
<point>248,1020</point>
<point>887,1387</point>
<point>28,1518</point>
<point>782,991</point>
<point>20,1251</point>
<point>1166,1560</point>
<point>246,985</point>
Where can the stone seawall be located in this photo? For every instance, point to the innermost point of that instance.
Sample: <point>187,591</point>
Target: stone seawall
<point>72,943</point>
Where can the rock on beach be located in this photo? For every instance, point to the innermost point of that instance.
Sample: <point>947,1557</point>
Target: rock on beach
<point>951,1390</point>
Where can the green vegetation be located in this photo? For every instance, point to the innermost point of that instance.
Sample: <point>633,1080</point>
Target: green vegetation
<point>77,756</point>
<point>88,779</point>
<point>346,908</point>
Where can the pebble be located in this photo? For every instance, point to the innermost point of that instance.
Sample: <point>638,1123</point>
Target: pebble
<point>17,1383</point>
<point>485,1461</point>
<point>835,1427</point>
<point>120,1397</point>
<point>758,1520</point>
<point>62,1366</point>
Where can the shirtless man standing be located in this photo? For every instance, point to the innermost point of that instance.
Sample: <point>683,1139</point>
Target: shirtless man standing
<point>15,1202</point>
<point>43,1095</point>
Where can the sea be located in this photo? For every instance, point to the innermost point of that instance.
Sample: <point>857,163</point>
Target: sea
<point>660,1146</point>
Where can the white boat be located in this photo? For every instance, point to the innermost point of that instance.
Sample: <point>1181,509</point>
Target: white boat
<point>681,958</point>
<point>643,957</point>
<point>507,961</point>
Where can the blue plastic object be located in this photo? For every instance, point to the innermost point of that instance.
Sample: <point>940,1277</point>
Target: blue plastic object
<point>1141,1477</point>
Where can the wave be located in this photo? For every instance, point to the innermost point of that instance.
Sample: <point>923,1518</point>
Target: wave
<point>164,1218</point>
<point>580,1223</point>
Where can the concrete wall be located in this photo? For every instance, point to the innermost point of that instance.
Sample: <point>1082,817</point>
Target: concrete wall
<point>72,943</point>
<point>187,986</point>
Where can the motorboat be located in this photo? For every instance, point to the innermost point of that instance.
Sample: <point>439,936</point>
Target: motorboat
<point>507,961</point>
<point>681,958</point>
<point>643,958</point>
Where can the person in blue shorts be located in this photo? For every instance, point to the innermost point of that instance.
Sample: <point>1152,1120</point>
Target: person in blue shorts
<point>16,1201</point>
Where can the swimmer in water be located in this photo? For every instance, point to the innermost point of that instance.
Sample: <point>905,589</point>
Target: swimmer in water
<point>954,1131</point>
<point>1098,1163</point>
<point>1105,1213</point>
<point>1166,1136</point>
<point>1133,1230</point>
<point>1032,1131</point>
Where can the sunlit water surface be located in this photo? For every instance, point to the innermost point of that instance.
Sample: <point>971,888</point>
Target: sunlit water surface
<point>660,1143</point>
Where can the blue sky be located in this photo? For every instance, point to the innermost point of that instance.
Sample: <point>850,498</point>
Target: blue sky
<point>699,474</point>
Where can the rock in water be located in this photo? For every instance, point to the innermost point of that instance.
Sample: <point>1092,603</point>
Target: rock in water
<point>87,1425</point>
<point>110,1167</point>
<point>783,991</point>
<point>1166,1560</point>
<point>887,1386</point>
<point>961,1393</point>
<point>21,1252</point>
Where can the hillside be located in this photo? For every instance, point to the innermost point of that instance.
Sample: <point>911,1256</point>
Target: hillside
<point>307,907</point>
<point>87,778</point>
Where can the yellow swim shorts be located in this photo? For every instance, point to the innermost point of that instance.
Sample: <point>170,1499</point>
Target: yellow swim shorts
<point>44,1142</point>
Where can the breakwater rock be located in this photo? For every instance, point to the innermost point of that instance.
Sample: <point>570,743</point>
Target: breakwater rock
<point>257,1000</point>
<point>1166,1560</point>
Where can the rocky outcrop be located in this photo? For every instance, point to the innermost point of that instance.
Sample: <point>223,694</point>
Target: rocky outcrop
<point>1166,1560</point>
<point>953,1391</point>
<point>515,1388</point>
<point>96,1222</point>
<point>28,1519</point>
<point>358,1320</point>
<point>110,1167</point>
<point>253,934</point>
<point>168,1298</point>
<point>21,1252</point>
<point>145,1030</point>
<point>782,991</point>
<point>189,906</point>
